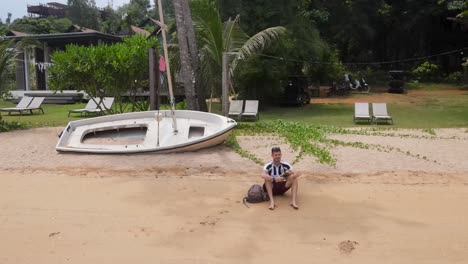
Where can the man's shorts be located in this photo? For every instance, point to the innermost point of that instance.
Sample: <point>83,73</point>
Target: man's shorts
<point>279,188</point>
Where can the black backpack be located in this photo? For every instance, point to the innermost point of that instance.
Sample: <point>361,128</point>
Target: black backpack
<point>256,195</point>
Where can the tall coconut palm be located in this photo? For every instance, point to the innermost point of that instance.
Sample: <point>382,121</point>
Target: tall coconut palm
<point>9,51</point>
<point>186,64</point>
<point>7,59</point>
<point>215,38</point>
<point>193,48</point>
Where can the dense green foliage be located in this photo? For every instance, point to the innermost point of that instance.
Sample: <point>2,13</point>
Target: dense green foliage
<point>324,39</point>
<point>7,56</point>
<point>41,25</point>
<point>426,72</point>
<point>84,13</point>
<point>104,70</point>
<point>216,37</point>
<point>360,31</point>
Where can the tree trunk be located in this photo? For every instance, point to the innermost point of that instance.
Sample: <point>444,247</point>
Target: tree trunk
<point>193,48</point>
<point>186,65</point>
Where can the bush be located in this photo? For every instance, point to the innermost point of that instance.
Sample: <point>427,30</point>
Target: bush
<point>104,70</point>
<point>426,72</point>
<point>10,126</point>
<point>455,78</point>
<point>179,106</point>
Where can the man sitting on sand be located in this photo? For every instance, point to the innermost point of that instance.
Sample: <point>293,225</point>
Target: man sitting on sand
<point>279,178</point>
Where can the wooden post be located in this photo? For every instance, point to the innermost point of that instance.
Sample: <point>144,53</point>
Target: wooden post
<point>157,79</point>
<point>152,79</point>
<point>225,91</point>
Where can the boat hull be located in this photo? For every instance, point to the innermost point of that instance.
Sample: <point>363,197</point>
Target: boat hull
<point>150,131</point>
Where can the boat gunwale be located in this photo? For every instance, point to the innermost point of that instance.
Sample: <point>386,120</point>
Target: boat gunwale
<point>221,133</point>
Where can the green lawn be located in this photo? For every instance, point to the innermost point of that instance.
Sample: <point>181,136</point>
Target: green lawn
<point>55,115</point>
<point>438,108</point>
<point>430,111</point>
<point>433,86</point>
<point>333,114</point>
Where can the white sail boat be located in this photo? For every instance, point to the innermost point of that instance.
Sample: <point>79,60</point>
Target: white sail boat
<point>150,131</point>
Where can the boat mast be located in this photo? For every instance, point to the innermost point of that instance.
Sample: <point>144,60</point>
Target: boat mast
<point>169,80</point>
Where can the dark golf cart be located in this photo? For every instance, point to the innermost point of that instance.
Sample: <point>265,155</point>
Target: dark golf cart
<point>296,91</point>
<point>396,82</point>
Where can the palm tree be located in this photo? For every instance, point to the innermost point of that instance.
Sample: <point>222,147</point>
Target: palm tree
<point>215,37</point>
<point>8,54</point>
<point>193,48</point>
<point>9,51</point>
<point>185,60</point>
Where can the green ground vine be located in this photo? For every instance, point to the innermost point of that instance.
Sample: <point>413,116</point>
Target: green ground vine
<point>311,139</point>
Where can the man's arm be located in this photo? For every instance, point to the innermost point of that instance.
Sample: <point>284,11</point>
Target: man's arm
<point>292,174</point>
<point>266,177</point>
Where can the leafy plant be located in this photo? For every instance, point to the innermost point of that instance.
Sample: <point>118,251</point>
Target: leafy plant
<point>10,126</point>
<point>455,78</point>
<point>426,72</point>
<point>179,106</point>
<point>116,70</point>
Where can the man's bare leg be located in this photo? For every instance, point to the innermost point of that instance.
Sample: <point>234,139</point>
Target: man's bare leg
<point>292,182</point>
<point>269,187</point>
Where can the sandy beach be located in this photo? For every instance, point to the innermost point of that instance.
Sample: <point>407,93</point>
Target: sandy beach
<point>404,203</point>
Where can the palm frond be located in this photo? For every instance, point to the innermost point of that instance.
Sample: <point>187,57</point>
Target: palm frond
<point>208,27</point>
<point>257,44</point>
<point>233,35</point>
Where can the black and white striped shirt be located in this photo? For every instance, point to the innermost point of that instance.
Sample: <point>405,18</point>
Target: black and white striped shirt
<point>275,171</point>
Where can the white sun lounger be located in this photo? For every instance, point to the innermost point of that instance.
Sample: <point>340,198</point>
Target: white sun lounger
<point>251,109</point>
<point>89,106</point>
<point>361,112</point>
<point>235,108</point>
<point>92,107</point>
<point>20,107</point>
<point>380,112</point>
<point>106,106</point>
<point>35,104</point>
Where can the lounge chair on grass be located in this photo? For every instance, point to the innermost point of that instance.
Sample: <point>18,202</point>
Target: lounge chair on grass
<point>250,110</point>
<point>91,105</point>
<point>20,107</point>
<point>35,104</point>
<point>235,109</point>
<point>380,112</point>
<point>361,112</point>
<point>106,106</point>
